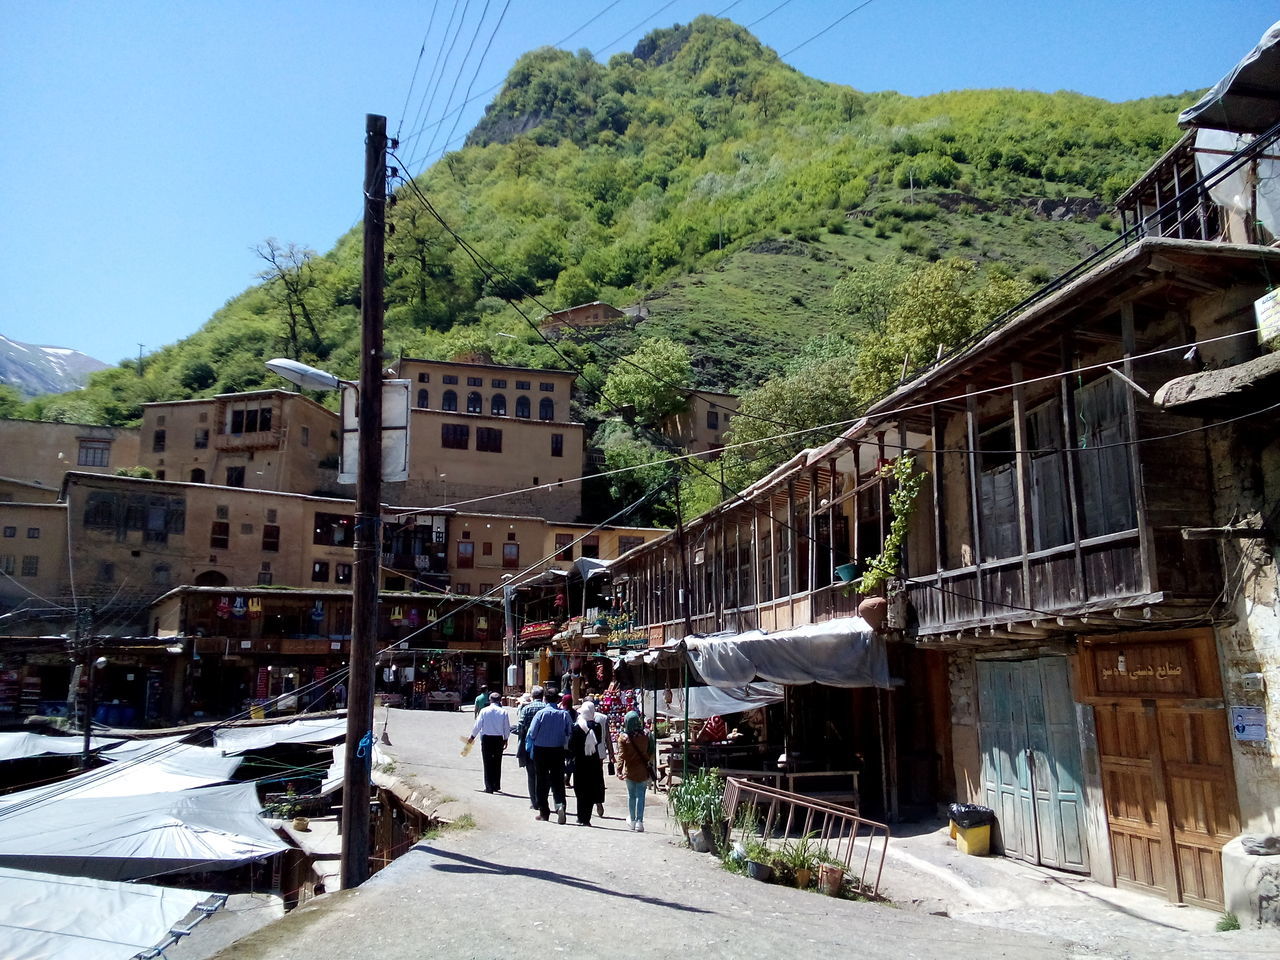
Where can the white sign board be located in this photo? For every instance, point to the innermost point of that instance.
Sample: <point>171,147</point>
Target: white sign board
<point>395,432</point>
<point>1267,310</point>
<point>1249,723</point>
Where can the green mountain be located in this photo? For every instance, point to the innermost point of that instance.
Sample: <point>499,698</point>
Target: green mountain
<point>699,176</point>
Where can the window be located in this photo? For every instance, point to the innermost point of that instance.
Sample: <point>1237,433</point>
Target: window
<point>157,442</point>
<point>197,475</point>
<point>462,588</point>
<point>160,420</point>
<point>30,566</point>
<point>264,577</point>
<point>455,436</point>
<point>10,531</point>
<point>160,574</point>
<point>498,384</point>
<point>422,400</point>
<point>94,453</point>
<point>546,386</point>
<point>511,537</point>
<point>546,409</point>
<point>159,474</point>
<point>320,571</point>
<point>270,537</point>
<point>466,554</point>
<point>342,573</point>
<point>201,439</point>
<point>564,546</point>
<point>450,378</point>
<point>628,543</point>
<point>222,511</point>
<point>106,572</point>
<point>498,405</point>
<point>475,381</point>
<point>523,385</point>
<point>449,402</point>
<point>488,440</point>
<point>333,530</point>
<point>33,533</point>
<point>474,403</point>
<point>557,444</point>
<point>424,378</point>
<point>713,420</point>
<point>522,407</point>
<point>255,420</point>
<point>486,549</point>
<point>511,555</point>
<point>271,515</point>
<point>235,476</point>
<point>484,589</point>
<point>219,535</point>
<point>306,436</point>
<point>6,563</point>
<point>591,546</point>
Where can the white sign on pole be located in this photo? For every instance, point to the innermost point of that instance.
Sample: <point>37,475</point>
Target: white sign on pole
<point>395,432</point>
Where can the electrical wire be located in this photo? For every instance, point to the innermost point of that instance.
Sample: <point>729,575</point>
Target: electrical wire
<point>767,15</point>
<point>829,26</point>
<point>457,114</point>
<point>462,65</point>
<point>416,65</point>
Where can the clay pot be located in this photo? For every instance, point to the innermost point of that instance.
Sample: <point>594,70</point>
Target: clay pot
<point>302,824</point>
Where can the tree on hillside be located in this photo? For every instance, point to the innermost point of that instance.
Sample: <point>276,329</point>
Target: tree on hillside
<point>291,277</point>
<point>654,380</point>
<point>10,402</point>
<point>646,468</point>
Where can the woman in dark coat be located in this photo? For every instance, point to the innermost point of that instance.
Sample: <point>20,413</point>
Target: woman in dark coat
<point>587,749</point>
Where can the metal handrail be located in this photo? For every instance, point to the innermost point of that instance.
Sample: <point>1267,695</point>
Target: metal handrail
<point>839,829</point>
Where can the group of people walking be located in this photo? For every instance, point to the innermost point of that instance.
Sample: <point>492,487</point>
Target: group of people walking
<point>561,748</point>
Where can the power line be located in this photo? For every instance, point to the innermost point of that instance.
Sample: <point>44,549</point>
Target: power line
<point>767,15</point>
<point>417,63</point>
<point>457,114</point>
<point>829,26</point>
<point>462,64</point>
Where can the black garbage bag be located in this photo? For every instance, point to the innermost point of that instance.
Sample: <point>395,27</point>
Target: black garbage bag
<point>971,815</point>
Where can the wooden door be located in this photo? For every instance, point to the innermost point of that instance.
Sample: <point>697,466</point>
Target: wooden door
<point>1170,796</point>
<point>1031,761</point>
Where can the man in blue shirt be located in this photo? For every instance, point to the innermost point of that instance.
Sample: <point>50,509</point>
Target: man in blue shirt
<point>524,718</point>
<point>548,736</point>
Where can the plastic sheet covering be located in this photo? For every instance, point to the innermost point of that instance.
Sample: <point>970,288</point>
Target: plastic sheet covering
<point>243,739</point>
<point>44,917</point>
<point>1236,191</point>
<point>150,767</point>
<point>717,701</point>
<point>838,653</point>
<point>137,837</point>
<point>333,777</point>
<point>1247,99</point>
<point>20,746</point>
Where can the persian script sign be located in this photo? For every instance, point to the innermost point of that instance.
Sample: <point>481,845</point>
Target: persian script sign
<point>1144,669</point>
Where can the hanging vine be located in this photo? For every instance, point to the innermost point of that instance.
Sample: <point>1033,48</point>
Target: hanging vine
<point>902,500</point>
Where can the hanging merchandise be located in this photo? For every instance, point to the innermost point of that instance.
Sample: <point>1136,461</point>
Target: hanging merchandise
<point>414,619</point>
<point>397,616</point>
<point>482,628</point>
<point>317,611</point>
<point>408,674</point>
<point>447,627</point>
<point>239,608</point>
<point>224,607</point>
<point>264,683</point>
<point>255,608</point>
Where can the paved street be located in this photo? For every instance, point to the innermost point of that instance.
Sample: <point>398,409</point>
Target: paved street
<point>512,883</point>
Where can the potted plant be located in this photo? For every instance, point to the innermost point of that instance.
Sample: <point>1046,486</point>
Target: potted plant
<point>760,859</point>
<point>698,801</point>
<point>801,857</point>
<point>830,874</point>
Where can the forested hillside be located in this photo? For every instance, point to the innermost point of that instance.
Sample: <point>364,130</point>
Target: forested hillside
<point>702,177</point>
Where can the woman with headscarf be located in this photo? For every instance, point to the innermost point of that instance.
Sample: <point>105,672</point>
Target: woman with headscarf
<point>586,747</point>
<point>635,750</point>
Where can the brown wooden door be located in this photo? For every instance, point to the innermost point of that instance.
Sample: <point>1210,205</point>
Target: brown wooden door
<point>1170,796</point>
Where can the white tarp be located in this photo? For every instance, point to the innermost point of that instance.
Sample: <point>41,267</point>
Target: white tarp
<point>45,917</point>
<point>333,777</point>
<point>1236,191</point>
<point>243,739</point>
<point>717,701</point>
<point>150,767</point>
<point>137,837</point>
<point>20,746</point>
<point>838,653</point>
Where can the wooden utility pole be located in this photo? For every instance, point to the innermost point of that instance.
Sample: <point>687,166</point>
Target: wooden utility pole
<point>368,533</point>
<point>684,565</point>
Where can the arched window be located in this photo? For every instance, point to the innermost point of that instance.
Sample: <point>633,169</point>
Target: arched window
<point>546,409</point>
<point>498,405</point>
<point>474,403</point>
<point>522,407</point>
<point>422,400</point>
<point>449,401</point>
<point>197,475</point>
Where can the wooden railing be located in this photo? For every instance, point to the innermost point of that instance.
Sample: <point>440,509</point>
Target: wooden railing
<point>858,843</point>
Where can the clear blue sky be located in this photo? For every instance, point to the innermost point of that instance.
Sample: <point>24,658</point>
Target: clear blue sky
<point>148,145</point>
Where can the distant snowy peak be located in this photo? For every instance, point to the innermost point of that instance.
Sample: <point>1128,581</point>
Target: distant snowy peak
<point>33,369</point>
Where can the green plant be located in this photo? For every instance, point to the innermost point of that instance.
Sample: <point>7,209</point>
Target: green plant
<point>802,854</point>
<point>759,851</point>
<point>902,500</point>
<point>698,799</point>
<point>1229,921</point>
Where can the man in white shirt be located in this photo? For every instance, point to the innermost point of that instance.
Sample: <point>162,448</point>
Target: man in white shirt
<point>493,727</point>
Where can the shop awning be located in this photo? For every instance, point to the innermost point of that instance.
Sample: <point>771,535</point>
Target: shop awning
<point>137,837</point>
<point>1246,100</point>
<point>233,740</point>
<point>838,653</point>
<point>717,701</point>
<point>75,918</point>
<point>21,746</point>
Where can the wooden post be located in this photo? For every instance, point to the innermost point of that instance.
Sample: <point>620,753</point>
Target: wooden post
<point>1146,547</point>
<point>1073,473</point>
<point>975,495</point>
<point>358,763</point>
<point>1022,473</point>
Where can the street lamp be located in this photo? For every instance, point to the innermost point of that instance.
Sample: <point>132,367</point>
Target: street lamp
<point>94,665</point>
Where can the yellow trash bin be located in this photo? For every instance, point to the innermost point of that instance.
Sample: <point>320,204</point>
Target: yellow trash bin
<point>974,841</point>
